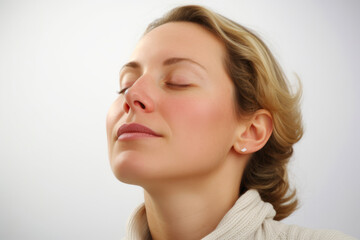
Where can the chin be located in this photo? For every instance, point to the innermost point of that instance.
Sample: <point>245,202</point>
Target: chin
<point>132,170</point>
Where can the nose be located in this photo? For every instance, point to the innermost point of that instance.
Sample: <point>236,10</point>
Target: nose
<point>137,96</point>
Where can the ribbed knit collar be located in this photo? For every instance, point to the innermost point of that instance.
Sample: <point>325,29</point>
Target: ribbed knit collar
<point>242,220</point>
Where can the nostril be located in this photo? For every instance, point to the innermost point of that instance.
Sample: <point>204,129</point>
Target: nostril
<point>142,105</point>
<point>126,107</point>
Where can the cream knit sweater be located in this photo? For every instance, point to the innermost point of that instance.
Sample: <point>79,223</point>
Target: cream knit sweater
<point>249,218</point>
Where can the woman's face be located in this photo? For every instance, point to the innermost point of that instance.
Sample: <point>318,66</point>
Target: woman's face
<point>176,86</point>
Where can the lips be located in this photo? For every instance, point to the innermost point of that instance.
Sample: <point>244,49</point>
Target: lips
<point>135,130</point>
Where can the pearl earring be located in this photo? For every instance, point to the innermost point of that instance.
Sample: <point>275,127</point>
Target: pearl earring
<point>243,150</point>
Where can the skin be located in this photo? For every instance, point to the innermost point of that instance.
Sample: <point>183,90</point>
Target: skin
<point>198,156</point>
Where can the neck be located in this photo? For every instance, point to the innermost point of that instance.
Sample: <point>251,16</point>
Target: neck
<point>192,208</point>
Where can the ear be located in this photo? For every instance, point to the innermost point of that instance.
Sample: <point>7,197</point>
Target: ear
<point>255,134</point>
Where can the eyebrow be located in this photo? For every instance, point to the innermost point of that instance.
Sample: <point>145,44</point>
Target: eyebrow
<point>175,60</point>
<point>167,62</point>
<point>134,65</point>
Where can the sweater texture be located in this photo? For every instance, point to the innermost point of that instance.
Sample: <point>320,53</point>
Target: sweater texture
<point>249,218</point>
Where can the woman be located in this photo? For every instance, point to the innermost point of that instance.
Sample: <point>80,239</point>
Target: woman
<point>205,123</point>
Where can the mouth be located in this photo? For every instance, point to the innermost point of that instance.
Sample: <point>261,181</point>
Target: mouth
<point>135,131</point>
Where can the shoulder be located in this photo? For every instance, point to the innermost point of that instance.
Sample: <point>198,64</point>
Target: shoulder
<point>294,232</point>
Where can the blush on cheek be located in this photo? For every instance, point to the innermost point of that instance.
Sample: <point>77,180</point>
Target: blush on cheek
<point>195,114</point>
<point>196,123</point>
<point>202,128</point>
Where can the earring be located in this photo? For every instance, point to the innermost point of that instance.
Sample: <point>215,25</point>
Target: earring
<point>243,150</point>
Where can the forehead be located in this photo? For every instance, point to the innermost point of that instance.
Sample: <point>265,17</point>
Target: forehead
<point>180,39</point>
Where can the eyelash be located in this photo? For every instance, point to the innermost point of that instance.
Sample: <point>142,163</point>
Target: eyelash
<point>122,91</point>
<point>172,85</point>
<point>177,85</point>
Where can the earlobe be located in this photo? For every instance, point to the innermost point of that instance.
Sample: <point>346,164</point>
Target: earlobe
<point>256,133</point>
<point>239,146</point>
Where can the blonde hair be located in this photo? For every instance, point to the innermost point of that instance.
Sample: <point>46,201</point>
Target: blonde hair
<point>259,84</point>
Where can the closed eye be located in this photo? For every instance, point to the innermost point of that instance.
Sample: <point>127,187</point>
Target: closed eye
<point>122,91</point>
<point>174,85</point>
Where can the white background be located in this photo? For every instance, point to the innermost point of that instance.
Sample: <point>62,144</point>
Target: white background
<point>59,64</point>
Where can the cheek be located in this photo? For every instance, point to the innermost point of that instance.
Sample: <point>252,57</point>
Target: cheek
<point>187,114</point>
<point>202,128</point>
<point>114,113</point>
<point>193,114</point>
<point>110,119</point>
